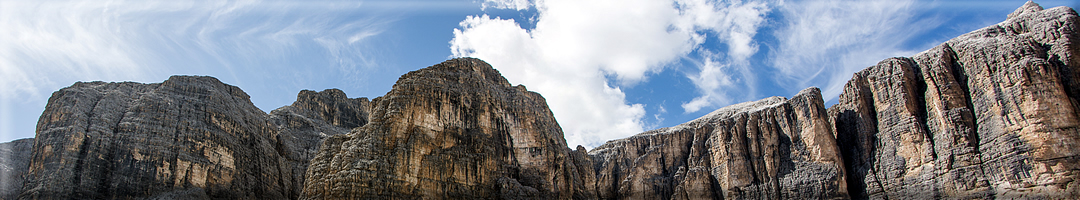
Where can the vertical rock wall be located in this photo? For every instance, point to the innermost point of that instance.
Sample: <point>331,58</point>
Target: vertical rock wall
<point>188,137</point>
<point>453,130</point>
<point>773,148</point>
<point>989,114</point>
<point>14,161</point>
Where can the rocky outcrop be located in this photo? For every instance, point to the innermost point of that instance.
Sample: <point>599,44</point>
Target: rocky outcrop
<point>307,122</point>
<point>14,161</point>
<point>989,114</point>
<point>455,130</point>
<point>774,148</point>
<point>187,137</point>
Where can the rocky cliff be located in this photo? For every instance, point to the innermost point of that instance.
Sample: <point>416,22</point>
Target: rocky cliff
<point>14,161</point>
<point>774,148</point>
<point>188,137</point>
<point>455,130</point>
<point>989,114</point>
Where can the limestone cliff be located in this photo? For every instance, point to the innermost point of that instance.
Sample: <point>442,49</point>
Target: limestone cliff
<point>455,130</point>
<point>989,114</point>
<point>774,148</point>
<point>14,161</point>
<point>188,137</point>
<point>307,122</point>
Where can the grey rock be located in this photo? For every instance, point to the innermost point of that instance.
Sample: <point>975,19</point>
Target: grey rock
<point>989,114</point>
<point>189,136</point>
<point>307,122</point>
<point>455,130</point>
<point>14,162</point>
<point>773,148</point>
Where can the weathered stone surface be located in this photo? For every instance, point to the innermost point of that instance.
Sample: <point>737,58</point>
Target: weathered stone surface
<point>14,161</point>
<point>186,137</point>
<point>989,114</point>
<point>773,148</point>
<point>307,122</point>
<point>453,130</point>
<point>119,140</point>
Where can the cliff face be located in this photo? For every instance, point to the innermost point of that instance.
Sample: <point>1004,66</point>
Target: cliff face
<point>188,137</point>
<point>14,161</point>
<point>307,122</point>
<point>453,130</point>
<point>773,148</point>
<point>991,113</point>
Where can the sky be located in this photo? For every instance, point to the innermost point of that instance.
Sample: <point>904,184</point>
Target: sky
<point>609,69</point>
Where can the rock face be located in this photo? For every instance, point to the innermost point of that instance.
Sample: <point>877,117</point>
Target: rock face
<point>989,114</point>
<point>454,130</point>
<point>186,137</point>
<point>14,161</point>
<point>307,122</point>
<point>773,148</point>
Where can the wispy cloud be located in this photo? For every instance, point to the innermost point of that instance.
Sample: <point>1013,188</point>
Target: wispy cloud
<point>723,76</point>
<point>578,49</point>
<point>51,44</point>
<point>821,43</point>
<point>507,4</point>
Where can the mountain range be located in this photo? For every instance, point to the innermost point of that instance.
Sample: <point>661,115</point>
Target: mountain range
<point>990,114</point>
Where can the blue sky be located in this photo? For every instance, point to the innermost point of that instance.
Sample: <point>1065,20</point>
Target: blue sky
<point>608,68</point>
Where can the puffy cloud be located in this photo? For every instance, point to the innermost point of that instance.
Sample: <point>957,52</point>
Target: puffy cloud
<point>579,49</point>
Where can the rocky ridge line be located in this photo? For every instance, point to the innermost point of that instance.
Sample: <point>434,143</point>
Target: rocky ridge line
<point>774,148</point>
<point>989,114</point>
<point>188,137</point>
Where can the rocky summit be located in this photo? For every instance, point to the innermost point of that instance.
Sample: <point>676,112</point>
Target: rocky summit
<point>990,114</point>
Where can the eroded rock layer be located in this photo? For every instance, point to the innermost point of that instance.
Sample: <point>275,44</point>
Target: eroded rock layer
<point>454,130</point>
<point>989,114</point>
<point>773,148</point>
<point>188,137</point>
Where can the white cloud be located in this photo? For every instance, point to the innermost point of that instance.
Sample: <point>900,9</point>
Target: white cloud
<point>735,24</point>
<point>824,42</point>
<point>577,45</point>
